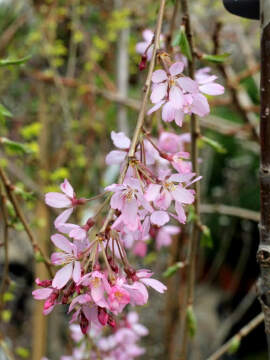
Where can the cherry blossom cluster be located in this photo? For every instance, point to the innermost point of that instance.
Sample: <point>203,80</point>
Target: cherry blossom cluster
<point>93,275</point>
<point>121,344</point>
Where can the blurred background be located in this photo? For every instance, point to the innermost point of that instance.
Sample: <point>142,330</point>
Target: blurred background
<point>80,83</point>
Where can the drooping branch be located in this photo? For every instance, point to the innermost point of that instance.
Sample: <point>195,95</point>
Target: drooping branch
<point>237,337</point>
<point>9,190</point>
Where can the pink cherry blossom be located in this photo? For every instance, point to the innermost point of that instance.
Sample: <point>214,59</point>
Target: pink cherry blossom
<point>143,45</point>
<point>69,257</point>
<point>164,235</point>
<point>127,198</point>
<point>122,142</point>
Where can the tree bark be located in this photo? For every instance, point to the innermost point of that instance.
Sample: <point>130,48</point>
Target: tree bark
<point>263,254</point>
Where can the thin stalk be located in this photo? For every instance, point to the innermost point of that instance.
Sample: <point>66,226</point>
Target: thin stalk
<point>9,190</point>
<point>237,337</point>
<point>193,242</point>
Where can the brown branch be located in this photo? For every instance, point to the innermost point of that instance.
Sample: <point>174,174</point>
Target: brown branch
<point>195,233</point>
<point>238,337</point>
<point>10,193</point>
<point>231,211</point>
<point>5,278</point>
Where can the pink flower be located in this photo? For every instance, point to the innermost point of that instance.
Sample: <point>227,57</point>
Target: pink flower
<point>138,291</point>
<point>69,257</point>
<point>180,95</point>
<point>47,293</point>
<point>97,283</point>
<point>127,198</point>
<point>172,190</point>
<point>118,298</point>
<point>66,200</point>
<point>164,235</point>
<point>206,82</point>
<point>172,143</point>
<point>122,142</point>
<point>143,45</point>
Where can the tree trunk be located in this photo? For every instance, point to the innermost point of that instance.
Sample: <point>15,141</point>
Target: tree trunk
<point>263,254</point>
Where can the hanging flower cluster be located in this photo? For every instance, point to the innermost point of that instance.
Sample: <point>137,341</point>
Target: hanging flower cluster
<point>121,344</point>
<point>94,276</point>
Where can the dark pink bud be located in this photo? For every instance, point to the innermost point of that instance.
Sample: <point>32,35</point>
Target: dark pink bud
<point>143,62</point>
<point>115,268</point>
<point>43,283</point>
<point>51,301</point>
<point>111,321</point>
<point>103,316</point>
<point>84,323</point>
<point>76,201</point>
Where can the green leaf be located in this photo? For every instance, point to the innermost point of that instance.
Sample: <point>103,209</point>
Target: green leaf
<point>150,258</point>
<point>216,58</point>
<point>191,321</point>
<point>6,62</point>
<point>234,345</point>
<point>15,146</point>
<point>206,239</point>
<point>173,269</point>
<point>4,111</point>
<point>22,352</point>
<point>191,214</point>
<point>6,315</point>
<point>214,144</point>
<point>39,258</point>
<point>8,296</point>
<point>181,40</point>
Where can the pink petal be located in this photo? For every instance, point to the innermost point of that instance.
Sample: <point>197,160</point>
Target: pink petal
<point>117,201</point>
<point>42,294</point>
<point>155,107</point>
<point>179,117</point>
<point>176,68</point>
<point>183,195</point>
<point>181,215</point>
<point>58,258</point>
<point>200,105</point>
<point>159,218</point>
<point>115,157</point>
<point>120,140</point>
<point>148,35</point>
<point>78,233</point>
<point>159,76</point>
<point>57,200</point>
<point>129,214</point>
<point>141,47</point>
<point>138,293</point>
<point>155,284</point>
<point>76,272</point>
<point>63,217</point>
<point>61,242</point>
<point>212,89</point>
<point>188,84</point>
<point>176,97</point>
<point>67,188</point>
<point>168,112</point>
<point>140,248</point>
<point>158,93</point>
<point>62,276</point>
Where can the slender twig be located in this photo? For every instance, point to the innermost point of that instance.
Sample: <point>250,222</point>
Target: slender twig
<point>193,241</point>
<point>230,211</point>
<point>9,190</point>
<point>237,337</point>
<point>5,236</point>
